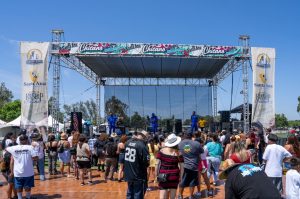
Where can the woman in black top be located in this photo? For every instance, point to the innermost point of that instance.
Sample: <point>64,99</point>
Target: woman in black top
<point>51,147</point>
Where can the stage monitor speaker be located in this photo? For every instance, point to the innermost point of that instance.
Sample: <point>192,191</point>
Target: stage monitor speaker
<point>102,129</point>
<point>169,126</point>
<point>76,121</point>
<point>178,126</point>
<point>225,116</point>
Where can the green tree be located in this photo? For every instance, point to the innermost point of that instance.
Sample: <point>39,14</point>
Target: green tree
<point>10,111</point>
<point>298,107</point>
<point>281,120</point>
<point>138,121</point>
<point>116,106</point>
<point>5,95</point>
<point>50,105</point>
<point>87,108</point>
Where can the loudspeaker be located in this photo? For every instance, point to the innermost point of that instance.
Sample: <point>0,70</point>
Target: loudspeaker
<point>169,126</point>
<point>76,121</point>
<point>178,126</point>
<point>225,116</point>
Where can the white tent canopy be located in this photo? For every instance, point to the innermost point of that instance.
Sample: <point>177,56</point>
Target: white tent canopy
<point>2,122</point>
<point>15,122</point>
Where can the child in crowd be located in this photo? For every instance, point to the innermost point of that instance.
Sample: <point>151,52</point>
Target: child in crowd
<point>293,180</point>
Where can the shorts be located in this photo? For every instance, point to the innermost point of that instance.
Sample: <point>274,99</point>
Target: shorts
<point>24,182</point>
<point>121,158</point>
<point>84,164</point>
<point>189,178</point>
<point>202,166</point>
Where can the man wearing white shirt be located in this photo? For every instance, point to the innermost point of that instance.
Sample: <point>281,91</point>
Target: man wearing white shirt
<point>22,166</point>
<point>273,156</point>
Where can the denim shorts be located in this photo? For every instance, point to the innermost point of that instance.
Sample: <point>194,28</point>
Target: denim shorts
<point>24,182</point>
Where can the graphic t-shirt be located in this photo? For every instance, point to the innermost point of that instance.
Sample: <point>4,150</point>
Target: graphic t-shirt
<point>190,151</point>
<point>274,155</point>
<point>136,160</point>
<point>249,181</point>
<point>292,184</point>
<point>23,164</point>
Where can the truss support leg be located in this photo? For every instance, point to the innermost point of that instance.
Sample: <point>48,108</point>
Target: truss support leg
<point>56,37</point>
<point>98,87</point>
<point>215,100</point>
<point>245,41</point>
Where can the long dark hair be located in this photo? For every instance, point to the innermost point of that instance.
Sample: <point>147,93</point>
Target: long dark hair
<point>292,140</point>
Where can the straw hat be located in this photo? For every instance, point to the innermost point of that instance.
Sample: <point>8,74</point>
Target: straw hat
<point>113,135</point>
<point>144,133</point>
<point>63,136</point>
<point>172,140</point>
<point>228,165</point>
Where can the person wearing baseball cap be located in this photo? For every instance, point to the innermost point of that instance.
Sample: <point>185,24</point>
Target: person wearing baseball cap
<point>137,159</point>
<point>247,181</point>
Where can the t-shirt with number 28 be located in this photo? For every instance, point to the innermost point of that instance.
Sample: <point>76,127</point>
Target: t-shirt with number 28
<point>136,160</point>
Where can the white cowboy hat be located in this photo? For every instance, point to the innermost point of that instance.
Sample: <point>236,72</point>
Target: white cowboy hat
<point>172,140</point>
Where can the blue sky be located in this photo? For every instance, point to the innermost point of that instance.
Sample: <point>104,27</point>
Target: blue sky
<point>269,24</point>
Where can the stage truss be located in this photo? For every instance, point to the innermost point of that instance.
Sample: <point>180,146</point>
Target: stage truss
<point>61,54</point>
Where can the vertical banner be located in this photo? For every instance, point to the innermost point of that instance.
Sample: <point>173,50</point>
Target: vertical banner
<point>263,101</point>
<point>34,63</point>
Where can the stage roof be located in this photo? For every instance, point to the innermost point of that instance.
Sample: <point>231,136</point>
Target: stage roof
<point>150,60</point>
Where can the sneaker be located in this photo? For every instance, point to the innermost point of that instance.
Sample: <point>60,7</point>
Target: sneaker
<point>90,182</point>
<point>42,178</point>
<point>197,195</point>
<point>210,193</point>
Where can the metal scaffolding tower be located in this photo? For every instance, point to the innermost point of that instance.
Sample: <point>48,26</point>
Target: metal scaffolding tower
<point>56,38</point>
<point>98,101</point>
<point>244,39</point>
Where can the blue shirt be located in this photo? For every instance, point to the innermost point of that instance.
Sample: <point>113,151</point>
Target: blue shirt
<point>112,120</point>
<point>194,119</point>
<point>154,120</point>
<point>214,149</point>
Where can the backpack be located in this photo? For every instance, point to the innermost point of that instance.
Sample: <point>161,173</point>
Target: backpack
<point>111,149</point>
<point>61,148</point>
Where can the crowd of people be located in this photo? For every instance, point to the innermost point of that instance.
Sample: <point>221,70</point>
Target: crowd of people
<point>251,163</point>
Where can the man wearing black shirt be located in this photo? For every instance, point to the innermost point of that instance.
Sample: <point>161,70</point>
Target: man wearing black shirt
<point>135,166</point>
<point>247,181</point>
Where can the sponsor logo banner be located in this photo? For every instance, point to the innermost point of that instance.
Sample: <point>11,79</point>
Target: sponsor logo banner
<point>147,49</point>
<point>34,63</point>
<point>263,99</point>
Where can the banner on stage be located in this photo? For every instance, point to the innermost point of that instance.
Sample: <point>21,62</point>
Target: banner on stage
<point>34,63</point>
<point>99,48</point>
<point>263,99</point>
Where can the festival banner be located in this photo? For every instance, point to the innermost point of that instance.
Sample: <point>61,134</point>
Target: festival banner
<point>34,63</point>
<point>100,48</point>
<point>263,100</point>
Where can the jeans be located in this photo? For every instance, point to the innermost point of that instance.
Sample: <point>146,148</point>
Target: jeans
<point>41,166</point>
<point>111,164</point>
<point>136,190</point>
<point>213,167</point>
<point>112,128</point>
<point>194,127</point>
<point>52,156</point>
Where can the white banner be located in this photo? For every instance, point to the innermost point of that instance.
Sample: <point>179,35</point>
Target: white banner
<point>263,101</point>
<point>34,63</point>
